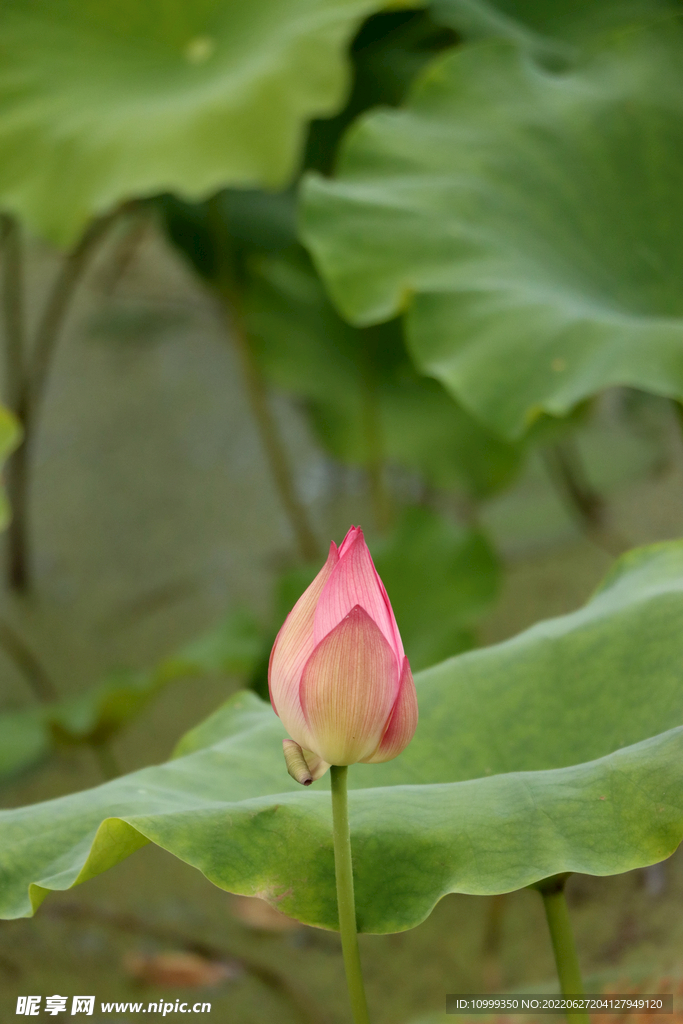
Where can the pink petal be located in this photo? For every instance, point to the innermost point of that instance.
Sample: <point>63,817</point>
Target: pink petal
<point>348,688</point>
<point>355,581</point>
<point>349,539</point>
<point>402,723</point>
<point>293,647</point>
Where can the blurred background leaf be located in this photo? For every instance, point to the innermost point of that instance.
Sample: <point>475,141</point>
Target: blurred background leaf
<point>527,222</point>
<point>442,578</point>
<point>388,52</point>
<point>95,716</point>
<point>160,96</point>
<point>24,741</point>
<point>551,30</point>
<point>366,400</point>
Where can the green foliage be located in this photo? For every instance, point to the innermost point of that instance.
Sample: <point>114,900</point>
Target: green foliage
<point>366,401</point>
<point>386,55</point>
<point>527,222</point>
<point>10,436</point>
<point>10,432</point>
<point>559,750</point>
<point>229,227</point>
<point>99,713</point>
<point>27,737</point>
<point>106,101</point>
<point>389,51</point>
<point>24,741</point>
<point>548,29</point>
<point>230,648</point>
<point>441,578</point>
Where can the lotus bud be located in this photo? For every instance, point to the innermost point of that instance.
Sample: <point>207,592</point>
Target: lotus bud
<point>338,676</point>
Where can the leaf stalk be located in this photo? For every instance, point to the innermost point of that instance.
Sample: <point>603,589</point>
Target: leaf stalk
<point>273,446</point>
<point>27,378</point>
<point>14,396</point>
<point>562,937</point>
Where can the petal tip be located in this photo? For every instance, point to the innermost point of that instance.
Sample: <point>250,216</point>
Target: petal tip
<point>353,534</point>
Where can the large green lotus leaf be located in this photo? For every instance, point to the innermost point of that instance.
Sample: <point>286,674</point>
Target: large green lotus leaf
<point>103,101</point>
<point>528,222</point>
<point>559,750</point>
<point>355,379</point>
<point>386,55</point>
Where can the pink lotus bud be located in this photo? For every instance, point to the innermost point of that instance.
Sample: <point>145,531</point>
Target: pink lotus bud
<point>338,677</point>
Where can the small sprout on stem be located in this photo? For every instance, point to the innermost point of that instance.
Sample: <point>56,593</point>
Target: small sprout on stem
<point>304,766</point>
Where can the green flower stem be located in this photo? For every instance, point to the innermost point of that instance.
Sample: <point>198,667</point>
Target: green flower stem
<point>557,914</point>
<point>345,900</point>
